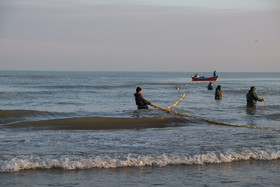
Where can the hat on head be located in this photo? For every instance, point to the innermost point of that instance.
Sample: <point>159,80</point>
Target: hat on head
<point>252,87</point>
<point>138,89</point>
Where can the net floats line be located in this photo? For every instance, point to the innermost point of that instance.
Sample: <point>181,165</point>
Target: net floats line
<point>184,94</point>
<point>178,101</point>
<point>172,111</point>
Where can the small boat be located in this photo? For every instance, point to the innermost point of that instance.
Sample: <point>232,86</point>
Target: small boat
<point>204,78</point>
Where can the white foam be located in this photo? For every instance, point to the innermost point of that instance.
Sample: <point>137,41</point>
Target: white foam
<point>73,162</point>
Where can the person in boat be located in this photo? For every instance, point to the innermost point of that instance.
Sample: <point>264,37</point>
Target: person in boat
<point>210,86</point>
<point>252,97</point>
<point>218,93</point>
<point>196,75</point>
<point>214,73</point>
<point>140,101</point>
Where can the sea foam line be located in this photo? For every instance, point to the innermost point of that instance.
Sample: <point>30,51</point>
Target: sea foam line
<point>73,162</point>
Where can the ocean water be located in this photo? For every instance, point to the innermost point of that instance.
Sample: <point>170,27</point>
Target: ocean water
<point>84,129</point>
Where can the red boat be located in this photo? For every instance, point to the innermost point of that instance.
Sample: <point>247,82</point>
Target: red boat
<point>204,78</point>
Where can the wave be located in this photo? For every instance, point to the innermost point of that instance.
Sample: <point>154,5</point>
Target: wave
<point>99,123</point>
<point>11,116</point>
<point>21,113</point>
<point>74,162</point>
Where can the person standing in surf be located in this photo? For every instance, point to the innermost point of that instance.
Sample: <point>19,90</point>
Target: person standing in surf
<point>210,86</point>
<point>218,93</point>
<point>140,101</point>
<point>252,97</point>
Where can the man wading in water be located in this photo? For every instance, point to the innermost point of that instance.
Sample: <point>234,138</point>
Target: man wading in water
<point>140,101</point>
<point>252,97</point>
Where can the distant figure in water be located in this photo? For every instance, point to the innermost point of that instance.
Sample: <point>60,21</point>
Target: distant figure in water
<point>214,73</point>
<point>140,101</point>
<point>218,93</point>
<point>252,97</point>
<point>210,86</point>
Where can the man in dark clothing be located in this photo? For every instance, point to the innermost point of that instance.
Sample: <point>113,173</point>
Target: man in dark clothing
<point>210,86</point>
<point>218,93</point>
<point>252,97</point>
<point>140,101</point>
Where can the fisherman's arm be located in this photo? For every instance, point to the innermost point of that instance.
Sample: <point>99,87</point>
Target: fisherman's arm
<point>145,101</point>
<point>257,98</point>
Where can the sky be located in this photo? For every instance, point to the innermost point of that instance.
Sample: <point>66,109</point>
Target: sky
<point>140,35</point>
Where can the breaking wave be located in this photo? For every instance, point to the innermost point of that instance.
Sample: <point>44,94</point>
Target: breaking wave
<point>74,162</point>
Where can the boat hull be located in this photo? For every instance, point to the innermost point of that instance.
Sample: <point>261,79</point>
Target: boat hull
<point>205,78</point>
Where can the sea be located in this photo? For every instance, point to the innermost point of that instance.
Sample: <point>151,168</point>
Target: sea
<point>62,128</point>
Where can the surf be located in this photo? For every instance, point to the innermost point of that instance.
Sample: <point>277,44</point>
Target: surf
<point>72,162</point>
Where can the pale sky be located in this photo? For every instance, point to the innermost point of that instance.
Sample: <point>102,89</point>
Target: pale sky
<point>140,35</point>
